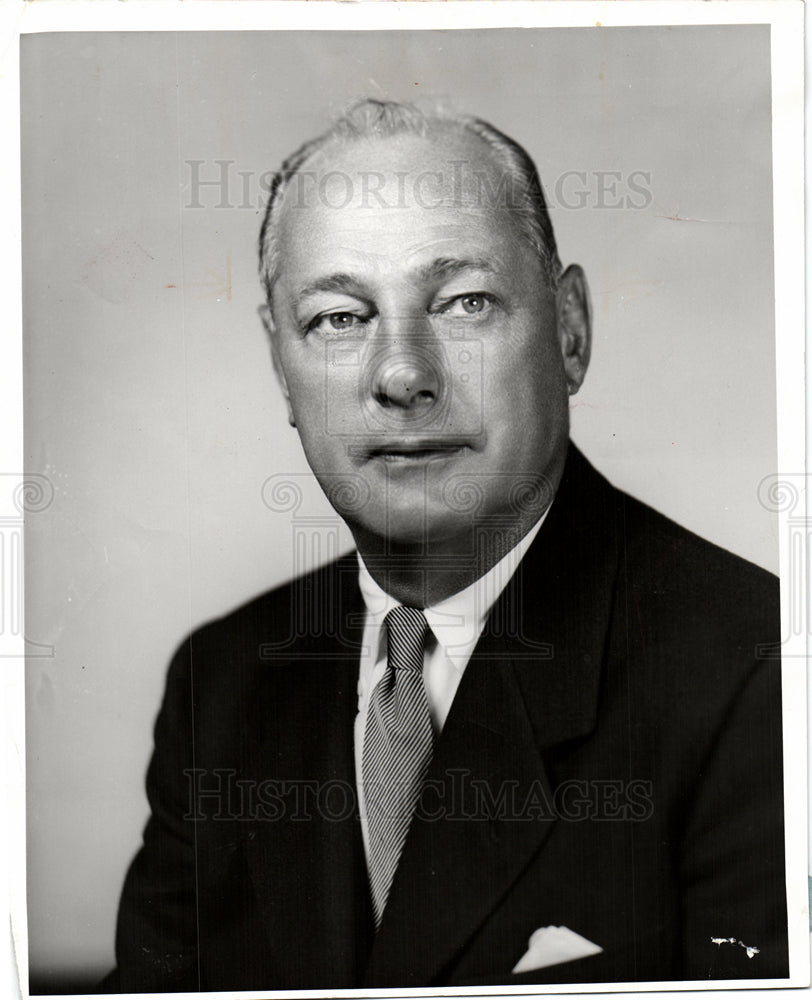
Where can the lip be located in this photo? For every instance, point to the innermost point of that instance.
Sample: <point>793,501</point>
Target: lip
<point>414,449</point>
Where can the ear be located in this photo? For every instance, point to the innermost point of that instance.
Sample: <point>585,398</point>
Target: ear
<point>273,337</point>
<point>574,315</point>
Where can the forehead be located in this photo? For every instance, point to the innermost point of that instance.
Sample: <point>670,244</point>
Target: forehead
<point>394,199</point>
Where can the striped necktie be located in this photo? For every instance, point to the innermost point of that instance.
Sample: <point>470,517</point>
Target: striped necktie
<point>397,751</point>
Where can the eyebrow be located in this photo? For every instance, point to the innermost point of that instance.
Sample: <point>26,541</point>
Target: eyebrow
<point>439,269</point>
<point>338,282</point>
<point>447,267</point>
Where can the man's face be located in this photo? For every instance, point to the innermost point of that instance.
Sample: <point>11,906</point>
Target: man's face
<point>425,360</point>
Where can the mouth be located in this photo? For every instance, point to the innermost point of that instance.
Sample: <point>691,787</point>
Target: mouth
<point>414,451</point>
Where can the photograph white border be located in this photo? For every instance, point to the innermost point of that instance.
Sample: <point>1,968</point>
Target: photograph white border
<point>786,18</point>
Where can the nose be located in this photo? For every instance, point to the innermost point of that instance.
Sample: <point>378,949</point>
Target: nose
<point>407,378</point>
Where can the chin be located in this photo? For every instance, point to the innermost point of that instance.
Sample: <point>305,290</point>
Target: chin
<point>415,529</point>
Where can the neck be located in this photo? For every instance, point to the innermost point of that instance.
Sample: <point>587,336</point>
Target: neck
<point>422,572</point>
<point>421,576</point>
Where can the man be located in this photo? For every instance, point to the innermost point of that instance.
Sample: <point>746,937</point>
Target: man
<point>525,735</point>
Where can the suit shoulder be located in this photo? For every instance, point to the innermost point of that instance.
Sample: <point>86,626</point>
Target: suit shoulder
<point>689,616</point>
<point>264,617</point>
<point>711,611</point>
<point>655,550</point>
<point>662,548</point>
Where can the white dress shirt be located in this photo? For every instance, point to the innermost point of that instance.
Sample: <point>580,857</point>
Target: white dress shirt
<point>455,627</point>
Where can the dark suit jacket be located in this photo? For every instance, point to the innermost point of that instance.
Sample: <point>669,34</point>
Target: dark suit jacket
<point>612,763</point>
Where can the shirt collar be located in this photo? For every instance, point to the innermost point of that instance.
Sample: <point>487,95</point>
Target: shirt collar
<point>456,622</point>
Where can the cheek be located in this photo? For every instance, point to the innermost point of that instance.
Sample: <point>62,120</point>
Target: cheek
<point>525,378</point>
<point>306,394</point>
<point>324,400</point>
<point>304,373</point>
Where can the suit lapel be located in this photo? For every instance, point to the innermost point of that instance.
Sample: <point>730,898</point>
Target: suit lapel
<point>307,861</point>
<point>533,682</point>
<point>464,849</point>
<point>566,589</point>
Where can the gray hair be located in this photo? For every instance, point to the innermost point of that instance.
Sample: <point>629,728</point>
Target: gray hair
<point>370,119</point>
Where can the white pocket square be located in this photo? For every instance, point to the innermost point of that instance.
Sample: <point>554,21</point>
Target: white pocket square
<point>553,945</point>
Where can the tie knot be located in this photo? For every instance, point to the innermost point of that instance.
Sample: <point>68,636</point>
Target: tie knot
<point>405,638</point>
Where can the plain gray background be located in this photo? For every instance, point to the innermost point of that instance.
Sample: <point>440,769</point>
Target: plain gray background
<point>150,400</point>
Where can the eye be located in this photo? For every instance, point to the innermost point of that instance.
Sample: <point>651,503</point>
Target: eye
<point>340,321</point>
<point>473,303</point>
<point>470,304</point>
<point>336,322</point>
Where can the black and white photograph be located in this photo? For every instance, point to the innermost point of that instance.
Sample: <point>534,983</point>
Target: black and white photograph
<point>414,504</point>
